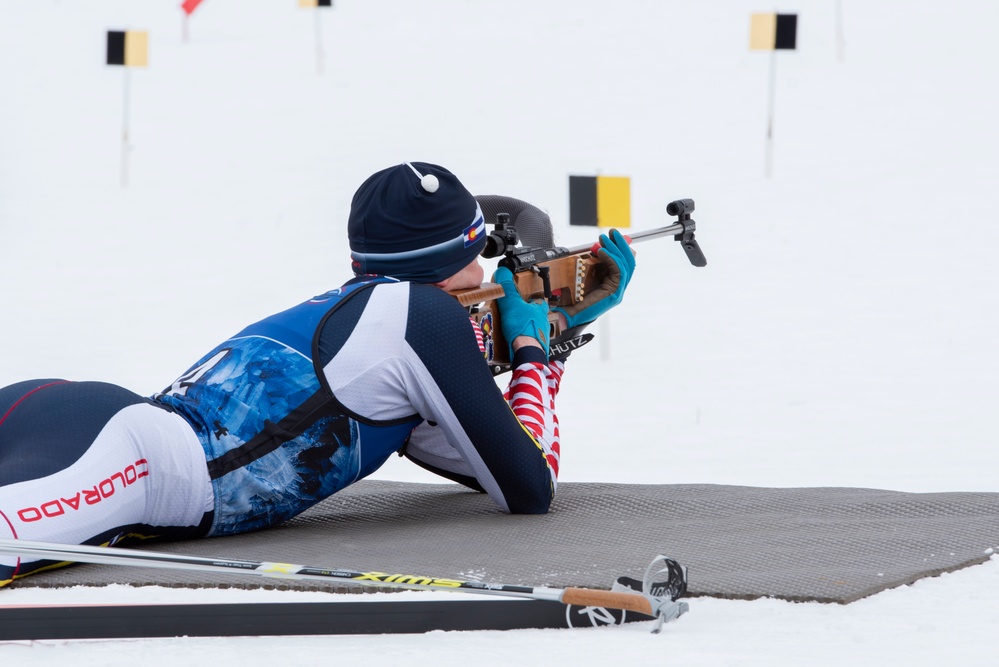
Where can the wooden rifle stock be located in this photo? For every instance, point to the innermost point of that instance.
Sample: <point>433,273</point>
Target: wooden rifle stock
<point>571,277</point>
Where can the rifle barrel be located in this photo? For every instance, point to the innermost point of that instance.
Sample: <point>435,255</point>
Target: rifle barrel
<point>647,235</point>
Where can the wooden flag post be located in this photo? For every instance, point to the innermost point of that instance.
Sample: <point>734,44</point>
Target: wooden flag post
<point>772,32</point>
<point>317,4</point>
<point>128,49</point>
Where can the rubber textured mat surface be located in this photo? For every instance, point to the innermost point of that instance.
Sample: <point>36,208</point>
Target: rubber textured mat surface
<point>817,544</point>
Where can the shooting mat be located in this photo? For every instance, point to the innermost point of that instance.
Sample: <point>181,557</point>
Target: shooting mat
<point>816,544</point>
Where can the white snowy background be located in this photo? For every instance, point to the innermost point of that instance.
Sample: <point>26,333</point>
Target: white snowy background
<point>843,333</point>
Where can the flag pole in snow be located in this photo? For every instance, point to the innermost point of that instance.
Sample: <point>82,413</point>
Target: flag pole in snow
<point>188,6</point>
<point>125,147</point>
<point>319,43</point>
<point>772,32</point>
<point>127,48</point>
<point>771,101</point>
<point>605,202</point>
<point>840,39</point>
<point>317,4</point>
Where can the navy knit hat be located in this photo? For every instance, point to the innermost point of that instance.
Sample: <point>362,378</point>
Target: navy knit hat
<point>414,221</point>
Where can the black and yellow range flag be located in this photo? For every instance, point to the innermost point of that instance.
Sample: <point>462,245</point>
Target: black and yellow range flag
<point>600,201</point>
<point>129,48</point>
<point>769,32</point>
<point>315,3</point>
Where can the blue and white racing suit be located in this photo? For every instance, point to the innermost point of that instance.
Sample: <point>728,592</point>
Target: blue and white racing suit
<point>286,413</point>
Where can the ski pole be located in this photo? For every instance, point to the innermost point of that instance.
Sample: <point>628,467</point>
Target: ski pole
<point>636,602</point>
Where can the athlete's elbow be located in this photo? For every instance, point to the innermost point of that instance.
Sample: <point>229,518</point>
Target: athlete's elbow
<point>531,502</point>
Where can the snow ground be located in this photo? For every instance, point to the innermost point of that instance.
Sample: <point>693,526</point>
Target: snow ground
<point>843,333</point>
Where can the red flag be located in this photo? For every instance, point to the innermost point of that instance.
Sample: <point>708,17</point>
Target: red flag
<point>190,5</point>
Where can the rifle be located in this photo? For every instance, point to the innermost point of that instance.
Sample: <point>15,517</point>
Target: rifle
<point>562,276</point>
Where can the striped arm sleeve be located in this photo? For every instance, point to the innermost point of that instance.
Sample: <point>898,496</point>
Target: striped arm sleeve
<point>531,394</point>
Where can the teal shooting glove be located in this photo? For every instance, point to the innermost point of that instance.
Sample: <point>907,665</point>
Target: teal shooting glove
<point>617,257</point>
<point>519,317</point>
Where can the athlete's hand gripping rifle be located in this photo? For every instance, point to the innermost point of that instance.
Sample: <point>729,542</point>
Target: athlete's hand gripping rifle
<point>562,276</point>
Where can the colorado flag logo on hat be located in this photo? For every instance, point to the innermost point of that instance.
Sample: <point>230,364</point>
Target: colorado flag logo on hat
<point>472,233</point>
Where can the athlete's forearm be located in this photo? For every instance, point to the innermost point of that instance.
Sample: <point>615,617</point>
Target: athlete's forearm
<point>531,394</point>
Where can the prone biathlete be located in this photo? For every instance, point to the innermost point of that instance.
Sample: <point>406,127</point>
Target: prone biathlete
<point>303,403</point>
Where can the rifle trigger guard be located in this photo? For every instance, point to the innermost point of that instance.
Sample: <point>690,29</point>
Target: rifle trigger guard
<point>543,273</point>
